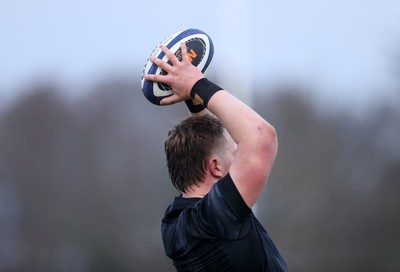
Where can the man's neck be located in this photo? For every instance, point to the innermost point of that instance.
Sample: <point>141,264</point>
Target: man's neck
<point>198,191</point>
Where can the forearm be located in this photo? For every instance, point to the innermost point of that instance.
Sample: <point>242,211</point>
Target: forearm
<point>243,123</point>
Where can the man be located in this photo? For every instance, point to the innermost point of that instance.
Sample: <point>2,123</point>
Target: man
<point>220,160</point>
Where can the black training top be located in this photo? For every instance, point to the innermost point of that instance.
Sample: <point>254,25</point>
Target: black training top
<point>218,233</point>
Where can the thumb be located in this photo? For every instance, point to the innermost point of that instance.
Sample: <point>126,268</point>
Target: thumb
<point>169,100</point>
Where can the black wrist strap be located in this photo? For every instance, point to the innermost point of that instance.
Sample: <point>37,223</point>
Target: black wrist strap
<point>194,108</point>
<point>204,89</point>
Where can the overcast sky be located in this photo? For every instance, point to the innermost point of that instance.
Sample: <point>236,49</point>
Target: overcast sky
<point>345,45</point>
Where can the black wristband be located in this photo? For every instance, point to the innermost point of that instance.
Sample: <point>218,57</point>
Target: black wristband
<point>194,108</point>
<point>205,89</point>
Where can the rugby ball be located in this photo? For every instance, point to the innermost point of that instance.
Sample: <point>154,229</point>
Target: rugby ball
<point>200,52</point>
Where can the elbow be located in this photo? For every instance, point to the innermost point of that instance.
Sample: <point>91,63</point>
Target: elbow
<point>268,140</point>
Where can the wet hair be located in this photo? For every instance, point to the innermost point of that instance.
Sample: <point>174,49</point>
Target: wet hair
<point>188,146</point>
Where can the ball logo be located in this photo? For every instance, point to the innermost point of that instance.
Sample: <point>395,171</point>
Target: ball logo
<point>191,54</point>
<point>196,50</point>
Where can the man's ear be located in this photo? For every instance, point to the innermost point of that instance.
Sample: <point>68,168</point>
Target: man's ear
<point>215,168</point>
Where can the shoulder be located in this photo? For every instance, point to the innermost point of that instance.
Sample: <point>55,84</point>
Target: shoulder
<point>225,195</point>
<point>221,213</point>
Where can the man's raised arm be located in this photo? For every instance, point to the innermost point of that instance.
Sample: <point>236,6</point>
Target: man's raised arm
<point>255,138</point>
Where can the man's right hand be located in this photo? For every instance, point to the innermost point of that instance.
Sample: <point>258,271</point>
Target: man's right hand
<point>181,75</point>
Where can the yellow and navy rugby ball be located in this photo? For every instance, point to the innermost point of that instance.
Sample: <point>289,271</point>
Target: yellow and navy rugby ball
<point>200,52</point>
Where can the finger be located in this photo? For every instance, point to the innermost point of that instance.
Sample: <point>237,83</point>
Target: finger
<point>170,100</point>
<point>185,57</point>
<point>171,56</point>
<point>160,63</point>
<point>157,78</point>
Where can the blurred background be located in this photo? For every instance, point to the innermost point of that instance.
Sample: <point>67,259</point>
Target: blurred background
<point>83,183</point>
